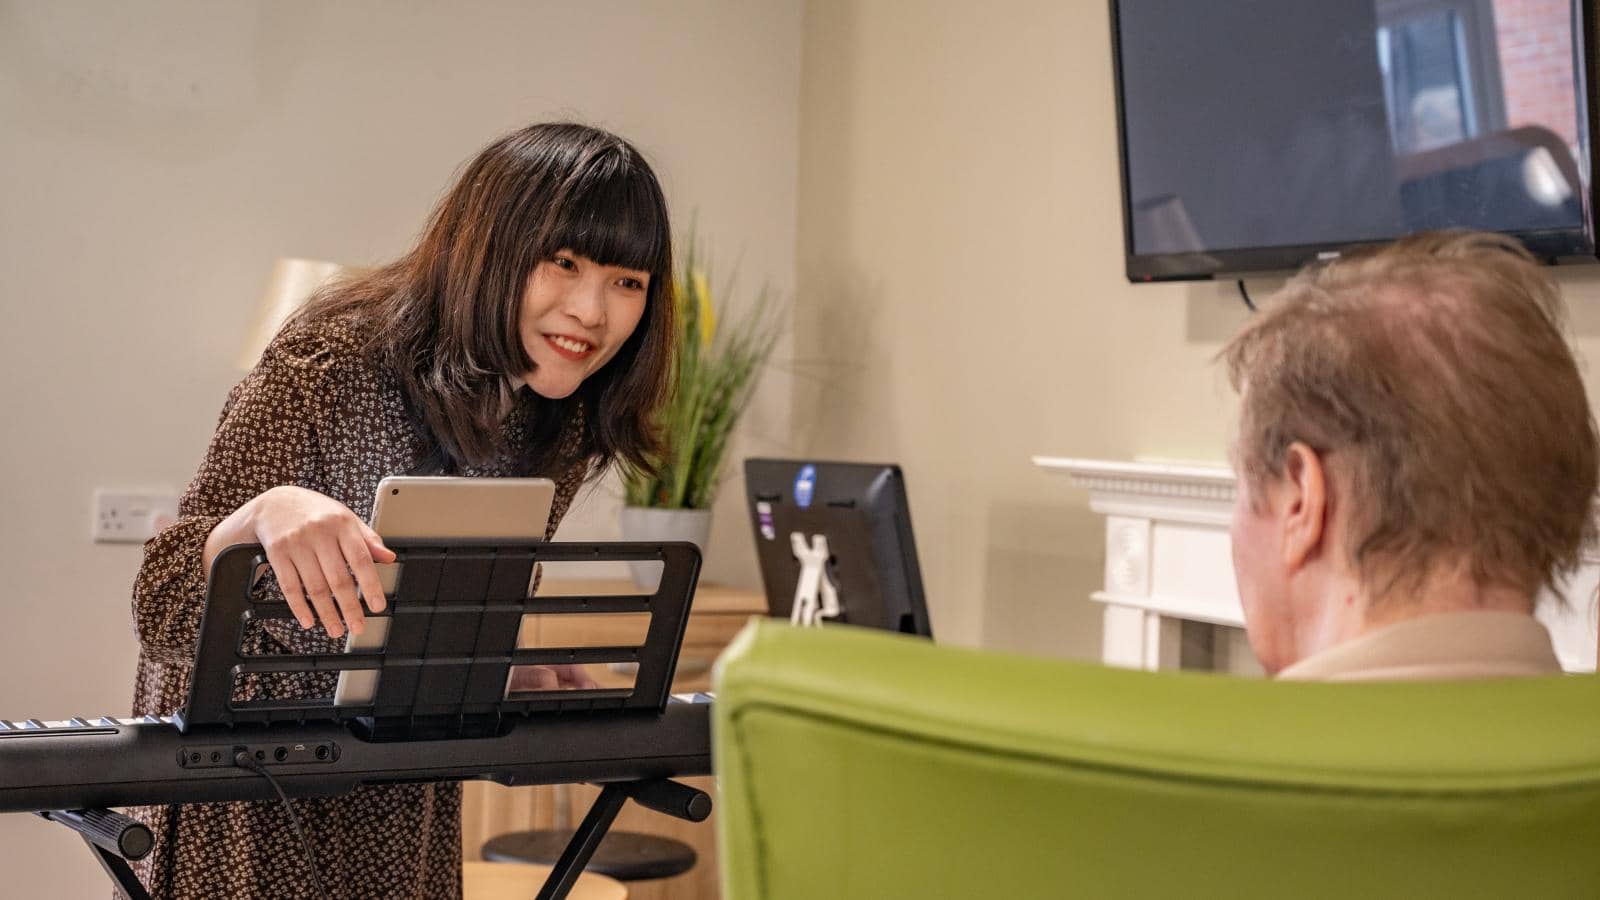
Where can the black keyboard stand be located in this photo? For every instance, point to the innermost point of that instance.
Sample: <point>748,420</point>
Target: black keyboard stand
<point>121,873</point>
<point>670,797</point>
<point>114,839</point>
<point>443,673</point>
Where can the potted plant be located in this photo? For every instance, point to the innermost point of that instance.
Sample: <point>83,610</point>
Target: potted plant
<point>720,357</point>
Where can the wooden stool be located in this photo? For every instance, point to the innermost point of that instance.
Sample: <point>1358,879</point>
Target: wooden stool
<point>521,881</point>
<point>623,855</point>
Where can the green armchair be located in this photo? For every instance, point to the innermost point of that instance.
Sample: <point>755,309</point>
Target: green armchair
<point>859,764</point>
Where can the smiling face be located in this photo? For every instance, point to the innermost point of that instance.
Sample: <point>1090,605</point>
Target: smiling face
<point>576,315</point>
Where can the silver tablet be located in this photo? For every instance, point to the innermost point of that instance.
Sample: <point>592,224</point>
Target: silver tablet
<point>414,506</point>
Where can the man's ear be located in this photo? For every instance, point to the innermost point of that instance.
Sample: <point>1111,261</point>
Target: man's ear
<point>1304,505</point>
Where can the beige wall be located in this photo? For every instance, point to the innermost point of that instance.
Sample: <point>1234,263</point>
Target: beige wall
<point>960,263</point>
<point>156,157</point>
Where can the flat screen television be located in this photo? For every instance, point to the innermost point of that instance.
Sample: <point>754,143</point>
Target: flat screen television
<point>862,511</point>
<point>1259,135</point>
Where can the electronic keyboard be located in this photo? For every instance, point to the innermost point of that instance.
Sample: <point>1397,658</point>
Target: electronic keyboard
<point>85,763</point>
<point>441,710</point>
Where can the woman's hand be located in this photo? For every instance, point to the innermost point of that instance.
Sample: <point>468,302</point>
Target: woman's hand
<point>320,551</point>
<point>551,678</point>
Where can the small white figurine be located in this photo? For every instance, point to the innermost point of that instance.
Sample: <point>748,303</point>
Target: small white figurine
<point>815,597</point>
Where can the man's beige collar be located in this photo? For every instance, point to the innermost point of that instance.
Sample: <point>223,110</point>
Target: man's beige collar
<point>1444,646</point>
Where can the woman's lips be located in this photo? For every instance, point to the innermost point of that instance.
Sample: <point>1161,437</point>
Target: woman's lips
<point>569,347</point>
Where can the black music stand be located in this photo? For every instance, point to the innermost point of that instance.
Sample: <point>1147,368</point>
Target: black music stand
<point>443,673</point>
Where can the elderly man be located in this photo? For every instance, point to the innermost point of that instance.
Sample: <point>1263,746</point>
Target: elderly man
<point>1416,459</point>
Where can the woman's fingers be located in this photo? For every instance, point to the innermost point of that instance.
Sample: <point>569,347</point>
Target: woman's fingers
<point>293,592</point>
<point>375,546</point>
<point>336,571</point>
<point>358,555</point>
<point>576,677</point>
<point>324,555</point>
<point>551,678</point>
<point>316,588</point>
<point>534,678</point>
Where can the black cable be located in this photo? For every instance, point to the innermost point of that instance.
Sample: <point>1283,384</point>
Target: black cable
<point>243,760</point>
<point>1245,296</point>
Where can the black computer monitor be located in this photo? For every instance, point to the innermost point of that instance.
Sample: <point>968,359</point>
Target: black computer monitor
<point>861,508</point>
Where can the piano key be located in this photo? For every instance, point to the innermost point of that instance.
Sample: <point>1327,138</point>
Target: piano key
<point>78,722</point>
<point>33,725</point>
<point>6,726</point>
<point>148,719</point>
<point>104,721</point>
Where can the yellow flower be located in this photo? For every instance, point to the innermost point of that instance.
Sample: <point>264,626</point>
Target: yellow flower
<point>707,312</point>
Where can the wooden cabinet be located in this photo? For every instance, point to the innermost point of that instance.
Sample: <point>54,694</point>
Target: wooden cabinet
<point>490,809</point>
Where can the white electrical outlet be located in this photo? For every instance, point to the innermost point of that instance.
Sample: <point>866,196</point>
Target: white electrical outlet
<point>131,516</point>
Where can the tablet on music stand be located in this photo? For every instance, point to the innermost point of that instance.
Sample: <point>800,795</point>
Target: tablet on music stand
<point>836,537</point>
<point>435,507</point>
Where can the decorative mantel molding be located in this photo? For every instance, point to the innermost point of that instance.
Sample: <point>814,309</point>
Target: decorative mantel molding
<point>1167,480</point>
<point>1181,492</point>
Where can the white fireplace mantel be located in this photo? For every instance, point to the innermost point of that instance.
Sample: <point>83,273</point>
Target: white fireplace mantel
<point>1168,561</point>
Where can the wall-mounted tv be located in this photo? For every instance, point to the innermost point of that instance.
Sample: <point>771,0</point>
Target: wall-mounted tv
<point>1259,135</point>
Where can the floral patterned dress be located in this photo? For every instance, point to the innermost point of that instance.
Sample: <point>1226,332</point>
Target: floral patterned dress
<point>317,413</point>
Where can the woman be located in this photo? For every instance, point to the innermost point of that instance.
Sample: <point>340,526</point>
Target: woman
<point>527,333</point>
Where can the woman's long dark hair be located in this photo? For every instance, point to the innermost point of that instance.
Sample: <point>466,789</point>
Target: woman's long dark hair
<point>444,317</point>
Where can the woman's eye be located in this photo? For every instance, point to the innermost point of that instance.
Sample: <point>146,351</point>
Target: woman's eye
<point>565,263</point>
<point>632,284</point>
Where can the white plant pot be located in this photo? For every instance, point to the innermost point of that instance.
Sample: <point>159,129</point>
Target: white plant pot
<point>651,524</point>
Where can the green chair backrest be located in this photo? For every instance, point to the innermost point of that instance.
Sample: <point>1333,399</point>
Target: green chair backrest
<point>857,764</point>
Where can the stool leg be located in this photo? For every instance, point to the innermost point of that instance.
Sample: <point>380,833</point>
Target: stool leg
<point>584,841</point>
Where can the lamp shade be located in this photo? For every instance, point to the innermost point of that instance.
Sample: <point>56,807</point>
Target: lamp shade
<point>293,282</point>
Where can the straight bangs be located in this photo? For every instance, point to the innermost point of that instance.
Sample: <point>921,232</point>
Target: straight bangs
<point>616,216</point>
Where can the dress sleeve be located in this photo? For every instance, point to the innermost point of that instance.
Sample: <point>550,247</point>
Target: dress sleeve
<point>266,437</point>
